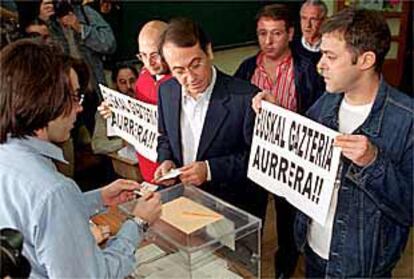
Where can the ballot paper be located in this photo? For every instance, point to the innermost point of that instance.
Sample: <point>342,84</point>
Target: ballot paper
<point>187,215</point>
<point>146,188</point>
<point>173,173</point>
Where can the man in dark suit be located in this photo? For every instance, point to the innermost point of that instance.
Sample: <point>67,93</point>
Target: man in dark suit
<point>205,118</point>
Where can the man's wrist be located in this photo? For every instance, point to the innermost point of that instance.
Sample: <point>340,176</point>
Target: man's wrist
<point>208,178</point>
<point>144,225</point>
<point>373,158</point>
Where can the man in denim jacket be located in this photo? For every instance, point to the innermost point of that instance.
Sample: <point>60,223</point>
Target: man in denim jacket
<point>372,208</point>
<point>85,35</point>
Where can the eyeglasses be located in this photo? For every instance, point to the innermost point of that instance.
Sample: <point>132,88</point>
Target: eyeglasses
<point>78,98</point>
<point>193,68</point>
<point>155,56</point>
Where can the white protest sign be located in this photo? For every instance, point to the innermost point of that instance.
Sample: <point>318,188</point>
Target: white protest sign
<point>294,157</point>
<point>132,120</point>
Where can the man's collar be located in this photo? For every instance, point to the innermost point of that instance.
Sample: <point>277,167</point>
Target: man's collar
<point>372,124</point>
<point>43,147</point>
<point>313,48</point>
<point>261,56</point>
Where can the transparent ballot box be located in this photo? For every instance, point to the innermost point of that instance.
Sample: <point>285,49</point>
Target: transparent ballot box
<point>198,236</point>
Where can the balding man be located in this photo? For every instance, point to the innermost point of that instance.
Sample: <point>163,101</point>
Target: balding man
<point>152,74</point>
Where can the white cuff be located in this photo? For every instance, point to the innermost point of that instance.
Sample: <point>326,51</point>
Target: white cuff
<point>208,171</point>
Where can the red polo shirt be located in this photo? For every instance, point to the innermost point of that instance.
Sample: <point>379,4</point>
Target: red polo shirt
<point>146,90</point>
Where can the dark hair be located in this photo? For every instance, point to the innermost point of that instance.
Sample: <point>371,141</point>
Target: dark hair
<point>363,30</point>
<point>28,12</point>
<point>120,66</point>
<point>64,7</point>
<point>183,32</point>
<point>82,70</point>
<point>276,12</point>
<point>34,87</point>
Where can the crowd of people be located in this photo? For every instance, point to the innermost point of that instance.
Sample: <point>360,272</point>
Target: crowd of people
<point>331,74</point>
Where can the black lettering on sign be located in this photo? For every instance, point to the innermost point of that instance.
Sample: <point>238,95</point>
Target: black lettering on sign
<point>289,173</point>
<point>311,145</point>
<point>271,128</point>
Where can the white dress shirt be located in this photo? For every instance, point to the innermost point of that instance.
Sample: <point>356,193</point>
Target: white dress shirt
<point>313,48</point>
<point>192,116</point>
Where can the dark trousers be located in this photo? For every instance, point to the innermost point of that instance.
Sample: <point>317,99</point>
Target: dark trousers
<point>286,256</point>
<point>315,266</point>
<point>255,201</point>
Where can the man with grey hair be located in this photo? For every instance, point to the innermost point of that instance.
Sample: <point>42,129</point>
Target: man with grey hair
<point>312,15</point>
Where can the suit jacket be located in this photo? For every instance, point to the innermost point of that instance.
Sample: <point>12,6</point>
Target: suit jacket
<point>226,136</point>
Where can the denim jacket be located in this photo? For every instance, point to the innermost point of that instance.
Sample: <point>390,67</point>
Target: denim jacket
<point>375,203</point>
<point>95,40</point>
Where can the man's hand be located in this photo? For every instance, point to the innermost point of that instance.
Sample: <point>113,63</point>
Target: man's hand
<point>194,173</point>
<point>162,170</point>
<point>104,110</point>
<point>100,232</point>
<point>357,148</point>
<point>148,207</point>
<point>71,21</point>
<point>46,10</point>
<point>262,96</point>
<point>119,191</point>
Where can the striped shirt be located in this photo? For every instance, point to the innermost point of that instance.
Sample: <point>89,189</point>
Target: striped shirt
<point>282,86</point>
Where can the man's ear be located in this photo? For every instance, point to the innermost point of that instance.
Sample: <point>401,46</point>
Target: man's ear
<point>42,134</point>
<point>291,32</point>
<point>367,60</point>
<point>210,54</point>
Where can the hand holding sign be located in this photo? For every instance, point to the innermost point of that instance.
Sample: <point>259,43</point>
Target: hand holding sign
<point>104,110</point>
<point>294,157</point>
<point>262,96</point>
<point>132,120</point>
<point>357,148</point>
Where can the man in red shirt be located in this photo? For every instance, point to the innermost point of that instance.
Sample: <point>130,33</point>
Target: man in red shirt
<point>153,72</point>
<point>292,79</point>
